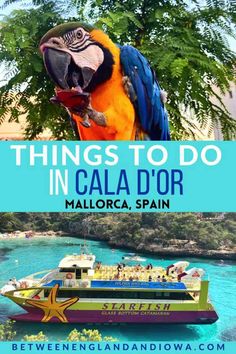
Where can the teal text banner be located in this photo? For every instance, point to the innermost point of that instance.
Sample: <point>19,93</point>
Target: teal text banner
<point>118,347</point>
<point>118,176</point>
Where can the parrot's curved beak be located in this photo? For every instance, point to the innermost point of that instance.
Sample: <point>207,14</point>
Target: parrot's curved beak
<point>63,70</point>
<point>57,64</point>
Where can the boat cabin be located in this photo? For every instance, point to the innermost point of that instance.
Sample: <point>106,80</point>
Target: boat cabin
<point>77,266</point>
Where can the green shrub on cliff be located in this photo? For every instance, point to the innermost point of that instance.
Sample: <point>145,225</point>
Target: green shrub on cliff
<point>40,337</point>
<point>207,230</point>
<point>7,332</point>
<point>88,335</point>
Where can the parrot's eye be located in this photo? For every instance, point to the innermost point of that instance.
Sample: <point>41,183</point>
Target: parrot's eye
<point>79,34</point>
<point>72,37</point>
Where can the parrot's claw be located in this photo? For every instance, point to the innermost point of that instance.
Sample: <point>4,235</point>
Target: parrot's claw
<point>86,124</point>
<point>98,117</point>
<point>128,87</point>
<point>89,113</point>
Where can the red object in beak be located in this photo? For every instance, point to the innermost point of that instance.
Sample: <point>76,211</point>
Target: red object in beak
<point>71,99</point>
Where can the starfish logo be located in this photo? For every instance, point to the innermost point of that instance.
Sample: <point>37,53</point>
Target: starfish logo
<point>51,307</point>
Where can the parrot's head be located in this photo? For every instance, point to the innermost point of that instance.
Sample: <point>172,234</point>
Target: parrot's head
<point>74,56</point>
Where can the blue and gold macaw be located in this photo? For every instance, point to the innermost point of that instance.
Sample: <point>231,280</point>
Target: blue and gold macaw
<point>110,91</point>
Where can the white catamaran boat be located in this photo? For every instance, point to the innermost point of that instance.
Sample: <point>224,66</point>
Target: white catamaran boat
<point>81,290</point>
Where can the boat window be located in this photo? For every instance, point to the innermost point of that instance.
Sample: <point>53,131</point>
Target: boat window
<point>67,270</point>
<point>147,295</point>
<point>166,294</point>
<point>109,294</point>
<point>78,273</point>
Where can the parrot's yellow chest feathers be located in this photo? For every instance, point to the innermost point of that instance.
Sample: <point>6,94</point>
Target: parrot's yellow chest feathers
<point>111,99</point>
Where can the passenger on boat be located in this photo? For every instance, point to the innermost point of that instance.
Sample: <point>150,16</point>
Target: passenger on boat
<point>98,266</point>
<point>180,270</point>
<point>131,278</point>
<point>10,282</point>
<point>124,277</point>
<point>15,283</point>
<point>117,276</point>
<point>24,285</point>
<point>163,279</point>
<point>149,266</point>
<point>69,281</point>
<point>138,267</point>
<point>159,278</point>
<point>119,266</point>
<point>150,278</point>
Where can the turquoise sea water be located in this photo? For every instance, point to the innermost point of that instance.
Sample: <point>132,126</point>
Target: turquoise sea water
<point>23,256</point>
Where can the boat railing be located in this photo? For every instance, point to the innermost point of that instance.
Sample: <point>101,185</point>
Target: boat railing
<point>192,283</point>
<point>81,256</point>
<point>35,275</point>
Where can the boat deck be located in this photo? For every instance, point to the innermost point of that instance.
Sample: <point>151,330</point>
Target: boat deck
<point>132,272</point>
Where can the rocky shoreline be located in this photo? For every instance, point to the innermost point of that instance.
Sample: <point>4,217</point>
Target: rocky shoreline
<point>173,252</point>
<point>224,254</point>
<point>32,234</point>
<point>177,250</point>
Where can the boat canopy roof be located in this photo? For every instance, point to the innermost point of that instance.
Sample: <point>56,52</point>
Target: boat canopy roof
<point>78,261</point>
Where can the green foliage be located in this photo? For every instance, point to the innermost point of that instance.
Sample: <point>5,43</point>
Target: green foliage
<point>188,48</point>
<point>88,335</point>
<point>28,89</point>
<point>8,222</point>
<point>7,332</point>
<point>206,231</point>
<point>39,337</point>
<point>186,45</point>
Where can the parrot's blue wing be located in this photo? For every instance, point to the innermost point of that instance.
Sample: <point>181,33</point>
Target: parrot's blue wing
<point>146,97</point>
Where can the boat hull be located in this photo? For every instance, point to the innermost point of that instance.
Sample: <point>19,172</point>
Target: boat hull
<point>94,316</point>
